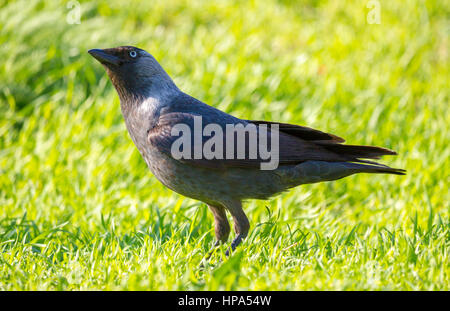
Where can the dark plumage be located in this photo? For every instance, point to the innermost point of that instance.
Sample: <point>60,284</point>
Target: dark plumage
<point>152,105</point>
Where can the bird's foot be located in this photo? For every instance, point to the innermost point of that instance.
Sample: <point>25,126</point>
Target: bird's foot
<point>217,244</point>
<point>234,244</point>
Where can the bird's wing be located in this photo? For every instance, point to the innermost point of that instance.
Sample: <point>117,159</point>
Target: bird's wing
<point>331,143</point>
<point>161,137</point>
<point>292,145</point>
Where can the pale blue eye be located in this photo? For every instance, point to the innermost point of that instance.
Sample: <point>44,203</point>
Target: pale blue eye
<point>133,54</point>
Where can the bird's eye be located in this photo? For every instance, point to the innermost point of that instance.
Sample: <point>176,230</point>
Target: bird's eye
<point>133,54</point>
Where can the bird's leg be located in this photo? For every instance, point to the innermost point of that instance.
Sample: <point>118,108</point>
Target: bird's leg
<point>241,223</point>
<point>221,226</point>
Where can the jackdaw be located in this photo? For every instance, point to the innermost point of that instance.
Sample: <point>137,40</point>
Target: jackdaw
<point>156,110</point>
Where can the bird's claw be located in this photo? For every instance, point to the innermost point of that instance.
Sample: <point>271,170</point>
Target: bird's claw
<point>228,252</point>
<point>234,244</point>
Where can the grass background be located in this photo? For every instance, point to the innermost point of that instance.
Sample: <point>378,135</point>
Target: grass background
<point>80,210</point>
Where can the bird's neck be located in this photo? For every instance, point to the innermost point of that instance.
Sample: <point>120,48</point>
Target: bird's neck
<point>157,89</point>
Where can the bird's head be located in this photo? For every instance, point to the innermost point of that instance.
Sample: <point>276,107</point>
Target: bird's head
<point>132,71</point>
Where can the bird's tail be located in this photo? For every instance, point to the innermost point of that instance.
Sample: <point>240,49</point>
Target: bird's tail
<point>374,168</point>
<point>356,156</point>
<point>317,171</point>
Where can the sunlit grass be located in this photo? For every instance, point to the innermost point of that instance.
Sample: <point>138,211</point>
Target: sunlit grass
<point>80,210</point>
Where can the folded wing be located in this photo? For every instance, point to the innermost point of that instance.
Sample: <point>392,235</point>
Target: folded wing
<point>297,144</point>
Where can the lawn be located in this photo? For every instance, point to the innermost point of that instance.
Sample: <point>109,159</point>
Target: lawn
<point>79,209</point>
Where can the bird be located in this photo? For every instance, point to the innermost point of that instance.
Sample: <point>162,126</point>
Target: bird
<point>153,107</point>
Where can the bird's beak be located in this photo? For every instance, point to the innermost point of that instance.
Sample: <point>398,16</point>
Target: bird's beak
<point>104,57</point>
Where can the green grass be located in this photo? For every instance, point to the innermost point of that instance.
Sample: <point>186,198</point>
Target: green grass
<point>80,210</point>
